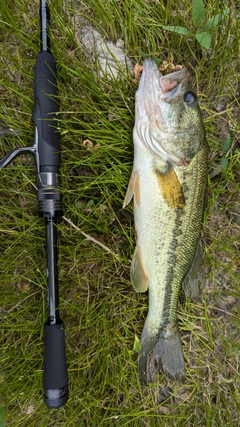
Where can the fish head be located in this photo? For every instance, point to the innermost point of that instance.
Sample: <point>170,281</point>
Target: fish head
<point>168,120</point>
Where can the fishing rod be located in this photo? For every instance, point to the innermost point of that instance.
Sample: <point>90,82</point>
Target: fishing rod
<point>46,151</point>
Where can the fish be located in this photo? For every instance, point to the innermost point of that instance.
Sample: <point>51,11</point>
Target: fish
<point>168,185</point>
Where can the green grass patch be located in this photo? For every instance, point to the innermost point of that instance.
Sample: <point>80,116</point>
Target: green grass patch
<point>102,313</point>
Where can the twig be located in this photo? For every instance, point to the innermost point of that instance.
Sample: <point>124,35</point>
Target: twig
<point>91,238</point>
<point>34,186</point>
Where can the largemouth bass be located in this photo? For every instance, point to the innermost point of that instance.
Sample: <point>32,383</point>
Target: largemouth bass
<point>168,183</point>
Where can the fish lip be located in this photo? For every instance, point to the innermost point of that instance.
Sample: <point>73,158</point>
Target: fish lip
<point>149,65</point>
<point>157,86</point>
<point>150,78</point>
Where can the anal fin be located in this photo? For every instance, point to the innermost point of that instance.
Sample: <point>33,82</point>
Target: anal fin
<point>194,282</point>
<point>138,276</point>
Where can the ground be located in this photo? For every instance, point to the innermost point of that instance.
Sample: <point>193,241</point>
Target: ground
<point>102,313</point>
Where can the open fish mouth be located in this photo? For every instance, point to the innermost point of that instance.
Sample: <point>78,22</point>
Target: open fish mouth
<point>171,84</point>
<point>152,81</point>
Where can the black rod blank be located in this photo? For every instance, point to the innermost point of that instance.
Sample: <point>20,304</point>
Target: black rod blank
<point>52,272</point>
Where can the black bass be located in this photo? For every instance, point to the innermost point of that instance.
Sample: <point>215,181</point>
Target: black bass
<point>168,182</point>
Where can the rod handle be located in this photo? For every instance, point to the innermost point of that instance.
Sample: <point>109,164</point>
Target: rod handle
<point>45,113</point>
<point>55,378</point>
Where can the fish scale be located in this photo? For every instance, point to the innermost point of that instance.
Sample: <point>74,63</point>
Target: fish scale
<point>168,184</point>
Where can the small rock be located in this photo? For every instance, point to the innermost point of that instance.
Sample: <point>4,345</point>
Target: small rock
<point>225,302</point>
<point>164,410</point>
<point>120,43</point>
<point>111,58</point>
<point>219,107</point>
<point>164,393</point>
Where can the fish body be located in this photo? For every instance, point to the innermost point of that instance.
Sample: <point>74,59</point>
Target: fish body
<point>168,184</point>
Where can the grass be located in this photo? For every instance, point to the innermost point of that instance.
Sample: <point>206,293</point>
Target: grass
<point>101,311</point>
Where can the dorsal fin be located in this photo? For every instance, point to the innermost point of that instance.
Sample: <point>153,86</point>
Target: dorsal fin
<point>194,282</point>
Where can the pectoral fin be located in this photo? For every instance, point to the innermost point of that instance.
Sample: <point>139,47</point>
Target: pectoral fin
<point>138,276</point>
<point>194,282</point>
<point>133,190</point>
<point>171,188</point>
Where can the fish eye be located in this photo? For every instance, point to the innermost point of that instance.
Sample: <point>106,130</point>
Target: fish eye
<point>190,98</point>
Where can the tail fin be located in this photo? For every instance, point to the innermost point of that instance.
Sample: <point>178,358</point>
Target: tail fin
<point>160,354</point>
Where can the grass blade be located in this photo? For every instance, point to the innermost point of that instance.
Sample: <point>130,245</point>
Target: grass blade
<point>177,29</point>
<point>216,20</point>
<point>198,12</point>
<point>2,418</point>
<point>204,39</point>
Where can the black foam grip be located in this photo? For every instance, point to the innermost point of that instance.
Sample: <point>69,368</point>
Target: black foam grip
<point>55,368</point>
<point>46,108</point>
